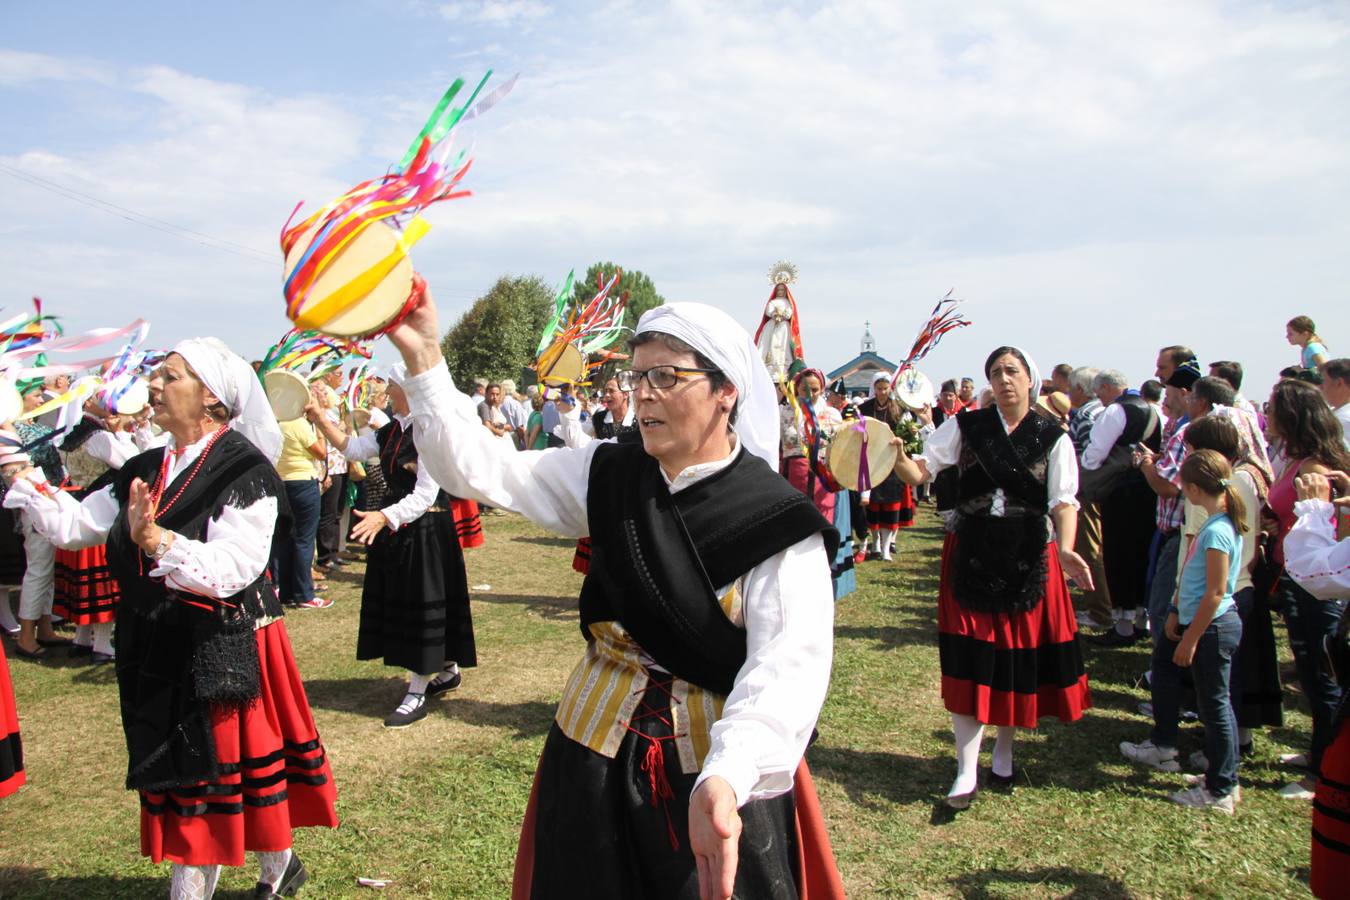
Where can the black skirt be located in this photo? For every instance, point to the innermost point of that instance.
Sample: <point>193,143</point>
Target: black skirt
<point>415,600</point>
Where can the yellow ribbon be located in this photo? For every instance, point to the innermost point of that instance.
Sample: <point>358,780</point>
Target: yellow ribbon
<point>344,298</point>
<point>80,391</point>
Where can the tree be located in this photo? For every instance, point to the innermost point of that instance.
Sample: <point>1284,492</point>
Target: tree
<point>641,290</point>
<point>499,334</point>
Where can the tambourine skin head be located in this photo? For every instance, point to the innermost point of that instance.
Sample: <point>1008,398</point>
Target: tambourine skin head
<point>914,390</point>
<point>561,365</point>
<point>133,399</point>
<point>846,452</point>
<point>287,392</point>
<point>371,313</point>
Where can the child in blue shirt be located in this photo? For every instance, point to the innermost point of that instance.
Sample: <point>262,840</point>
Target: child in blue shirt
<point>1206,626</point>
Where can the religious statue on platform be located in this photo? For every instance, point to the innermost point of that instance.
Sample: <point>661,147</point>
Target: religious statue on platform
<point>779,337</point>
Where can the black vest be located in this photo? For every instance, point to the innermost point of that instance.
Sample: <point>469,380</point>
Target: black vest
<point>1138,414</point>
<point>604,426</point>
<point>658,557</point>
<point>398,463</point>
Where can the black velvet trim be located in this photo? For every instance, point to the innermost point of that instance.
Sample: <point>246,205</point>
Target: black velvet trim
<point>1331,843</point>
<point>11,756</point>
<point>1011,670</point>
<point>1339,815</point>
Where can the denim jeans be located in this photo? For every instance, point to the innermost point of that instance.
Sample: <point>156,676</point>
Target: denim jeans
<point>1163,583</point>
<point>1211,670</point>
<point>295,552</point>
<point>1309,620</point>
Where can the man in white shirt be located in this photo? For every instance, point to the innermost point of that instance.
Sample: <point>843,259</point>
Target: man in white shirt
<point>1336,388</point>
<point>517,415</point>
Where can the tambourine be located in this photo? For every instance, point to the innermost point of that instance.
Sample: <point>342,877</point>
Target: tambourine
<point>846,453</point>
<point>11,402</point>
<point>131,401</point>
<point>366,288</point>
<point>561,365</point>
<point>914,389</point>
<point>287,392</point>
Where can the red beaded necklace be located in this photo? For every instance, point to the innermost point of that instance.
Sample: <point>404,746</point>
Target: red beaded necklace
<point>160,485</point>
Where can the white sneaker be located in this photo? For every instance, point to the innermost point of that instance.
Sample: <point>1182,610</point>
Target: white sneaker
<point>1296,760</point>
<point>1199,797</point>
<point>1296,791</point>
<point>1163,759</point>
<point>1198,761</point>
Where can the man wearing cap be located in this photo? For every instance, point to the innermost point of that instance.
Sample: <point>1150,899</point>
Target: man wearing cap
<point>674,766</point>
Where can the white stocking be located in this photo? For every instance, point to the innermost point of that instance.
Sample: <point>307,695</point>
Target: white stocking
<point>890,542</point>
<point>417,684</point>
<point>84,635</point>
<point>272,866</point>
<point>968,733</point>
<point>7,620</point>
<point>193,882</point>
<point>1003,750</point>
<point>103,638</point>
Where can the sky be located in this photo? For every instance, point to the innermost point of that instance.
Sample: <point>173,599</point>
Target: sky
<point>1094,180</point>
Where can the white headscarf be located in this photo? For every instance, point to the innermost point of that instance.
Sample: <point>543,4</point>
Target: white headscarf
<point>237,385</point>
<point>872,389</point>
<point>1033,370</point>
<point>722,340</point>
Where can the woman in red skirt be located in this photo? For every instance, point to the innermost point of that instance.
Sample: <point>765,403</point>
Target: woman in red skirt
<point>220,741</point>
<point>890,505</point>
<point>11,747</point>
<point>1006,630</point>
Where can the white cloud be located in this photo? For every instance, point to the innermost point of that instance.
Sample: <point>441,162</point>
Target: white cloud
<point>495,12</point>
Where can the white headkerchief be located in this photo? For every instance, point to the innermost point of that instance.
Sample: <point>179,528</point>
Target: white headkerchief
<point>721,338</point>
<point>872,390</point>
<point>237,385</point>
<point>1032,370</point>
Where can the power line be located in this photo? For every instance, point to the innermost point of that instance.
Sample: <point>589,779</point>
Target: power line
<point>138,218</point>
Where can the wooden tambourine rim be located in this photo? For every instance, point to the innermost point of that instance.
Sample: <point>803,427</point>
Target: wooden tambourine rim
<point>561,365</point>
<point>377,309</point>
<point>847,445</point>
<point>284,390</point>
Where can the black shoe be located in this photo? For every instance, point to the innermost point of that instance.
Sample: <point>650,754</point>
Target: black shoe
<point>1140,634</point>
<point>1002,783</point>
<point>102,659</point>
<point>1248,749</point>
<point>1111,638</point>
<point>80,650</point>
<point>400,719</point>
<point>436,688</point>
<point>291,882</point>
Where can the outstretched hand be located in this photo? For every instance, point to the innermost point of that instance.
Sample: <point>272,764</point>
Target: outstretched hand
<point>141,511</point>
<point>714,836</point>
<point>1076,568</point>
<point>371,524</point>
<point>417,336</point>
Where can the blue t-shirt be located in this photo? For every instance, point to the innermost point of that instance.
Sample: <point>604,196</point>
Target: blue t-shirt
<point>1311,352</point>
<point>1218,533</point>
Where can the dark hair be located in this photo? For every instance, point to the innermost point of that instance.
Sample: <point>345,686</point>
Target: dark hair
<point>716,378</point>
<point>948,385</point>
<point>1063,370</point>
<point>1302,324</point>
<point>1308,427</point>
<point>1004,351</point>
<point>1179,353</point>
<point>1215,433</point>
<point>1229,371</point>
<point>1211,473</point>
<point>1337,368</point>
<point>1214,391</point>
<point>1151,390</point>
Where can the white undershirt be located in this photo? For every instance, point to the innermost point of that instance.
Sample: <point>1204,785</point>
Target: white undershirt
<point>423,496</point>
<point>235,551</point>
<point>788,599</point>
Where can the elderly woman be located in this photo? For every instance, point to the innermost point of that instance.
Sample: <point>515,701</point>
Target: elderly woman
<point>220,741</point>
<point>1006,632</point>
<point>675,760</point>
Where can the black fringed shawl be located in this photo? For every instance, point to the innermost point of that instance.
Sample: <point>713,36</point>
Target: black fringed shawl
<point>178,654</point>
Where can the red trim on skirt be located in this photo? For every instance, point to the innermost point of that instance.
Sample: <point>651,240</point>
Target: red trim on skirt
<point>1050,622</point>
<point>277,776</point>
<point>88,592</point>
<point>817,875</point>
<point>468,524</point>
<point>892,516</point>
<point>10,744</point>
<point>1331,820</point>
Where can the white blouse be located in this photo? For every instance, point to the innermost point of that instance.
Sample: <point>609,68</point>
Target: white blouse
<point>234,553</point>
<point>411,507</point>
<point>788,599</point>
<point>1313,557</point>
<point>943,449</point>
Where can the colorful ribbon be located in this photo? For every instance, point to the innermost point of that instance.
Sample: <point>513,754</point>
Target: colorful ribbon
<point>944,318</point>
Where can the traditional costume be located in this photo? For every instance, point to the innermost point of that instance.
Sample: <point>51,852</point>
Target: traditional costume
<point>11,745</point>
<point>415,599</point>
<point>601,427</point>
<point>689,644</point>
<point>221,744</point>
<point>92,455</point>
<point>890,506</point>
<point>1007,638</point>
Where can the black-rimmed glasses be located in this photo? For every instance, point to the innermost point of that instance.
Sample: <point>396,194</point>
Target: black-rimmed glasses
<point>662,378</point>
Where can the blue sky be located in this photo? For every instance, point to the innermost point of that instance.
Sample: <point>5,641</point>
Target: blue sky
<point>1095,181</point>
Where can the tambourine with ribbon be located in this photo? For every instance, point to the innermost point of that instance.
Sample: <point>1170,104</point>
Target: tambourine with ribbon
<point>861,453</point>
<point>576,332</point>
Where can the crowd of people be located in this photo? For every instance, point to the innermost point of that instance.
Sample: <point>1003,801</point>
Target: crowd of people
<point>696,480</point>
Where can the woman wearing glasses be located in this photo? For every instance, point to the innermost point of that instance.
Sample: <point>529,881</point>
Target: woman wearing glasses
<point>674,764</point>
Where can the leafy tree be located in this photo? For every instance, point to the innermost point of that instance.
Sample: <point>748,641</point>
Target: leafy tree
<point>499,334</point>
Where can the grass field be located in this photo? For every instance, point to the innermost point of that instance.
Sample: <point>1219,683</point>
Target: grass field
<point>436,808</point>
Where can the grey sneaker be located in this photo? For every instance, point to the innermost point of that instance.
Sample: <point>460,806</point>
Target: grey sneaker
<point>1163,759</point>
<point>1193,780</point>
<point>1199,797</point>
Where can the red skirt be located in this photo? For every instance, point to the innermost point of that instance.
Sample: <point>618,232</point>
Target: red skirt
<point>87,589</point>
<point>276,776</point>
<point>1012,668</point>
<point>892,516</point>
<point>1331,820</point>
<point>468,524</point>
<point>797,469</point>
<point>11,747</point>
<point>581,559</point>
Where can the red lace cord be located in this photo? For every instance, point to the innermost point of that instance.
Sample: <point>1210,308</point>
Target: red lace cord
<point>654,761</point>
<point>161,481</point>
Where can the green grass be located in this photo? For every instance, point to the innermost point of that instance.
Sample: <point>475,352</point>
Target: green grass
<point>436,808</point>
